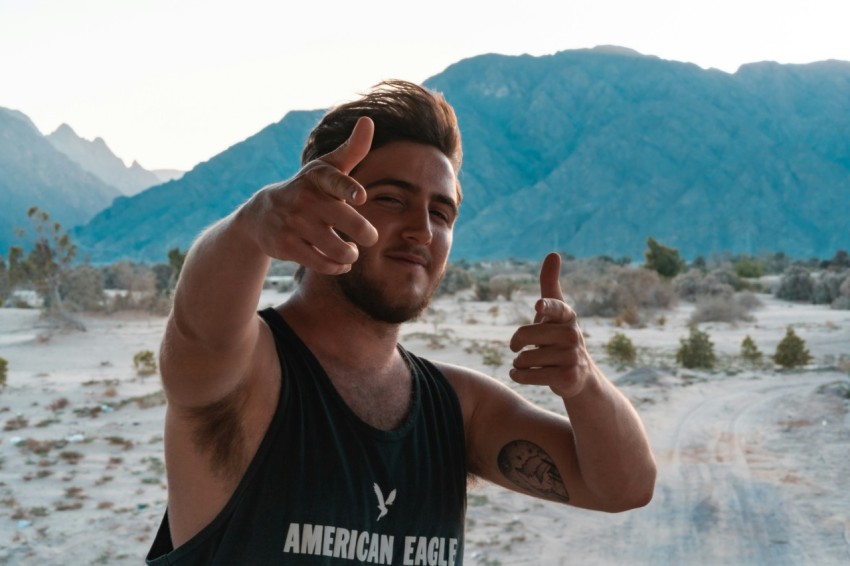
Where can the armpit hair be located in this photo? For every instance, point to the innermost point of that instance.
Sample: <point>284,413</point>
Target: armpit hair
<point>219,433</point>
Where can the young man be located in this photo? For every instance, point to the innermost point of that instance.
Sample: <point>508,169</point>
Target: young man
<point>307,435</point>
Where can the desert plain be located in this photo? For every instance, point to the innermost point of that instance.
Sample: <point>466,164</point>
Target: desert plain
<point>753,460</point>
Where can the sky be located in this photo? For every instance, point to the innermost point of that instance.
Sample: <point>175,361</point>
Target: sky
<point>171,83</point>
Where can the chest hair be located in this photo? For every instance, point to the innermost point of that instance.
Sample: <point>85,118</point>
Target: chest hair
<point>381,400</point>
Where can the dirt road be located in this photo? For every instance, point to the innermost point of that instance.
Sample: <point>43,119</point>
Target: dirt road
<point>752,470</point>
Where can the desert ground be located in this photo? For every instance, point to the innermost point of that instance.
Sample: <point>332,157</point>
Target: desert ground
<point>752,461</point>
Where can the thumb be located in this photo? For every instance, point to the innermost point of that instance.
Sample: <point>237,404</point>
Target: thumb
<point>550,278</point>
<point>354,149</point>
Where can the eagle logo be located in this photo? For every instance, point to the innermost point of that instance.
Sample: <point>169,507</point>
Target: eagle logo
<point>383,503</point>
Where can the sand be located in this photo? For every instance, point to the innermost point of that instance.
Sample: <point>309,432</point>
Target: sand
<point>752,461</point>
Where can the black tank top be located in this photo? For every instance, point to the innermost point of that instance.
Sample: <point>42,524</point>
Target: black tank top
<point>327,488</point>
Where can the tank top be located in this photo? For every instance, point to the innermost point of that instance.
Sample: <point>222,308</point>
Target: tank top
<point>327,488</point>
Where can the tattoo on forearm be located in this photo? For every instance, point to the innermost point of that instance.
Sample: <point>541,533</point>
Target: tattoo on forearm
<point>532,469</point>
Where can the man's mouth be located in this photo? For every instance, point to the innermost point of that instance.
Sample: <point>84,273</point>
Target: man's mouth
<point>416,258</point>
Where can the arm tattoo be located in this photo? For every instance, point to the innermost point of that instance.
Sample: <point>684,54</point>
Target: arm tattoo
<point>531,468</point>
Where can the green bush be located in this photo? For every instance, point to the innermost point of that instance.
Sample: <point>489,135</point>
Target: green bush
<point>144,362</point>
<point>791,351</point>
<point>664,260</point>
<point>621,350</point>
<point>748,267</point>
<point>4,370</point>
<point>750,352</point>
<point>696,351</point>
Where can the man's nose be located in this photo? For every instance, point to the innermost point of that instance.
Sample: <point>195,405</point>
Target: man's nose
<point>418,227</point>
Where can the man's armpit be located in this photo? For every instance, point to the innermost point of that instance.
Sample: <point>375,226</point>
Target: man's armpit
<point>218,431</point>
<point>531,468</point>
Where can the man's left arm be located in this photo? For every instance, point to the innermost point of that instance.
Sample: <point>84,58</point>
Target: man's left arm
<point>598,457</point>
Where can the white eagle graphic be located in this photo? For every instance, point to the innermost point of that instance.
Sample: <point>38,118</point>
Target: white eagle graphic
<point>383,504</point>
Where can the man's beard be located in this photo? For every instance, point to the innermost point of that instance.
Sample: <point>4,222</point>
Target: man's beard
<point>370,298</point>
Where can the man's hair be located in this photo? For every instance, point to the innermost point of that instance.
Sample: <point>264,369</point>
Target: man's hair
<point>401,111</point>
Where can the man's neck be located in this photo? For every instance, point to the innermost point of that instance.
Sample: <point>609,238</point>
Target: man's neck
<point>337,332</point>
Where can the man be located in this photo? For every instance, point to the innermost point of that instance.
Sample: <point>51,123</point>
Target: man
<point>307,435</point>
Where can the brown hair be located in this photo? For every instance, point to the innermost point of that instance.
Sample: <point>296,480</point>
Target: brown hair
<point>401,111</point>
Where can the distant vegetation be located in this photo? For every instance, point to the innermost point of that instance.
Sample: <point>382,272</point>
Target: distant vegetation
<point>724,288</point>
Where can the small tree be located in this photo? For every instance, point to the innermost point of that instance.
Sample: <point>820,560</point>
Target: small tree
<point>791,351</point>
<point>697,351</point>
<point>176,258</point>
<point>47,263</point>
<point>621,350</point>
<point>5,283</point>
<point>664,260</point>
<point>4,370</point>
<point>750,352</point>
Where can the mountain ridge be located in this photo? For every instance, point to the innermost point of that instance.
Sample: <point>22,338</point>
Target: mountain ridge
<point>97,158</point>
<point>586,151</point>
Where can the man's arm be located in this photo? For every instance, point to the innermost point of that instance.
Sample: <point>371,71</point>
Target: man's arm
<point>218,364</point>
<point>213,330</point>
<point>598,458</point>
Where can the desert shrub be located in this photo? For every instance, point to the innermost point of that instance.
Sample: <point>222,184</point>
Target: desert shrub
<point>840,261</point>
<point>775,263</point>
<point>791,351</point>
<point>4,371</point>
<point>827,288</point>
<point>662,259</point>
<point>615,291</point>
<point>696,351</point>
<point>694,284</point>
<point>750,352</point>
<point>796,285</point>
<point>725,308</point>
<point>620,349</point>
<point>492,356</point>
<point>82,288</point>
<point>748,267</point>
<point>484,291</point>
<point>504,286</point>
<point>628,316</point>
<point>144,362</point>
<point>456,279</point>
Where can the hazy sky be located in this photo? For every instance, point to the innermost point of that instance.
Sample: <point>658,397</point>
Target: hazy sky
<point>171,83</point>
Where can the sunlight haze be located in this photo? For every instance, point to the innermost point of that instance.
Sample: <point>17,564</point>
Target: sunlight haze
<point>171,84</point>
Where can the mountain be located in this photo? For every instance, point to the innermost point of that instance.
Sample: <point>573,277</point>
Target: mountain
<point>592,151</point>
<point>147,225</point>
<point>96,158</point>
<point>34,173</point>
<point>585,151</point>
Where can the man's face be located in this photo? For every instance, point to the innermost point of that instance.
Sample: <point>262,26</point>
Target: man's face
<point>412,202</point>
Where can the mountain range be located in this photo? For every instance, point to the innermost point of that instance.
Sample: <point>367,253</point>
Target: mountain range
<point>95,157</point>
<point>585,151</point>
<point>69,177</point>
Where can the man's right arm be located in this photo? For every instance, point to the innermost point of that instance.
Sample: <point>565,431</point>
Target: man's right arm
<point>213,330</point>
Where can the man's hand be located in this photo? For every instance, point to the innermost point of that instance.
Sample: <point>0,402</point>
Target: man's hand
<point>552,350</point>
<point>298,219</point>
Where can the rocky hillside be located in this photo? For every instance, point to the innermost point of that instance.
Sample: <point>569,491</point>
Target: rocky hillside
<point>588,152</point>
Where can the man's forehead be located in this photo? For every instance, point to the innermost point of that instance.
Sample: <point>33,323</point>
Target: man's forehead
<point>408,165</point>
